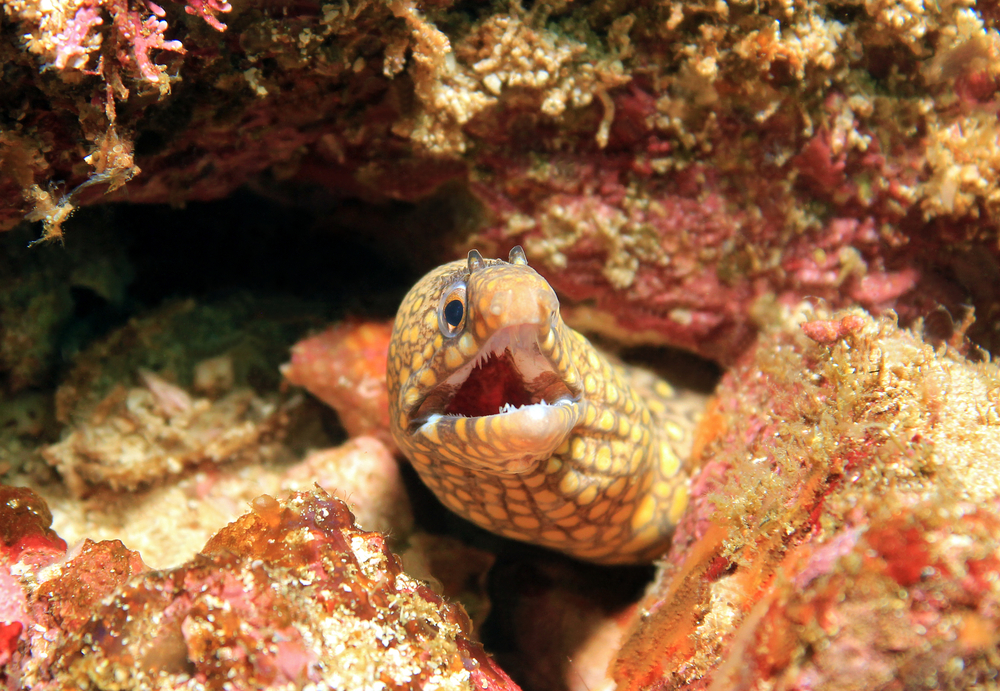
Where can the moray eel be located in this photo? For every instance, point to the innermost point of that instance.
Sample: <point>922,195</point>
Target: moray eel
<point>519,424</point>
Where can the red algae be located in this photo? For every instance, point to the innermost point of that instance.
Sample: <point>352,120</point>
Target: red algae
<point>9,635</point>
<point>95,571</point>
<point>29,545</point>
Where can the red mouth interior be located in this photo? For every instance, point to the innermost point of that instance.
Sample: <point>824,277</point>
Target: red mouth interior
<point>490,385</point>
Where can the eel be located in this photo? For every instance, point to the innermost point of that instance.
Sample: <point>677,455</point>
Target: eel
<point>520,425</point>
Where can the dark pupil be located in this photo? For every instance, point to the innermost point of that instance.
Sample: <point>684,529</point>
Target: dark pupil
<point>453,312</point>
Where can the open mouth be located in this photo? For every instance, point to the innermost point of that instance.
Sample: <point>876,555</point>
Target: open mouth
<point>509,372</point>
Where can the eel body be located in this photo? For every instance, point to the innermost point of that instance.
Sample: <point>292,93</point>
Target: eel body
<point>519,424</point>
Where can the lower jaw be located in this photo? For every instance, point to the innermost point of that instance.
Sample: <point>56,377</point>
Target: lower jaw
<point>505,443</point>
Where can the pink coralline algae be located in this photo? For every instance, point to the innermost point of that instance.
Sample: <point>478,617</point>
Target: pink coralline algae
<point>209,11</point>
<point>843,532</point>
<point>69,43</point>
<point>69,35</point>
<point>679,260</point>
<point>27,544</point>
<point>291,595</point>
<point>145,35</point>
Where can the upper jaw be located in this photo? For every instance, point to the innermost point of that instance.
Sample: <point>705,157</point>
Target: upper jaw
<point>516,354</point>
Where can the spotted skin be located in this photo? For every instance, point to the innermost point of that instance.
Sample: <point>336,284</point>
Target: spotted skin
<point>598,477</point>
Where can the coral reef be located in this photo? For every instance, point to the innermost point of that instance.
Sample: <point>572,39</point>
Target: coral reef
<point>677,167</point>
<point>291,594</point>
<point>683,173</point>
<point>843,531</point>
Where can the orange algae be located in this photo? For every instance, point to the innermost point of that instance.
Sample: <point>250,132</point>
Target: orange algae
<point>843,529</point>
<point>95,570</point>
<point>344,367</point>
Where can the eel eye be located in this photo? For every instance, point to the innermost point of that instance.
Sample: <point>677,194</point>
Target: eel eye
<point>451,312</point>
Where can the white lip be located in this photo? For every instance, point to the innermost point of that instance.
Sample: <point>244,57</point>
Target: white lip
<point>516,438</point>
<point>533,415</point>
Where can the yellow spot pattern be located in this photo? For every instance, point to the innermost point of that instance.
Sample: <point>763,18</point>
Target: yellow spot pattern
<point>610,491</point>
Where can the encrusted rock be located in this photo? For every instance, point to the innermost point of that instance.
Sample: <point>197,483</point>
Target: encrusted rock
<point>844,528</point>
<point>291,595</point>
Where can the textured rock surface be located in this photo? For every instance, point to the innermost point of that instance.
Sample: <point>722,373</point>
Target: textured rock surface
<point>169,521</point>
<point>145,434</point>
<point>128,426</point>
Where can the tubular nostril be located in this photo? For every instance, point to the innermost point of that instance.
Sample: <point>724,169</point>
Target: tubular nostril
<point>548,305</point>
